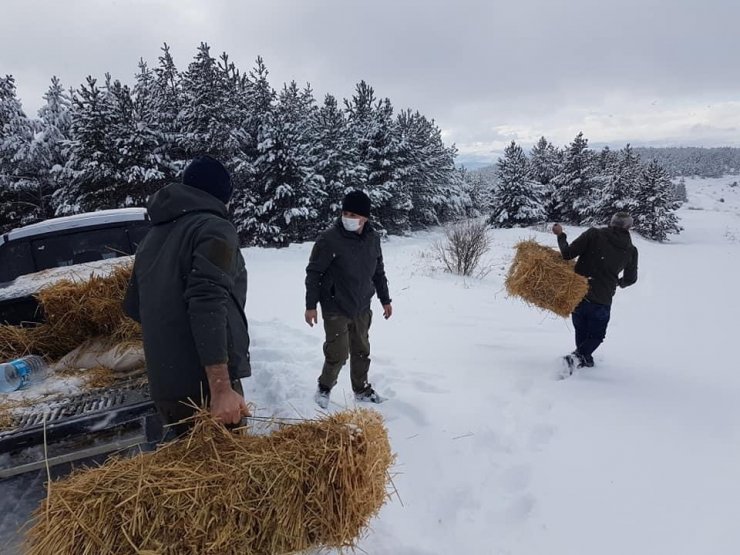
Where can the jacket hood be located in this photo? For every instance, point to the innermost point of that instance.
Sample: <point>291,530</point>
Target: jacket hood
<point>619,238</point>
<point>175,200</point>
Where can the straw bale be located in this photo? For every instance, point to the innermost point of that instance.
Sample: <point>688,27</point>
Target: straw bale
<point>100,377</point>
<point>541,277</point>
<point>7,413</point>
<point>74,312</point>
<point>314,484</point>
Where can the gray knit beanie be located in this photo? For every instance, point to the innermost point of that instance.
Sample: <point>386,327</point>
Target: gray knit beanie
<point>622,220</point>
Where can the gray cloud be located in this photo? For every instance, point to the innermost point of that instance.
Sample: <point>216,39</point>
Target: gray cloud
<point>487,71</point>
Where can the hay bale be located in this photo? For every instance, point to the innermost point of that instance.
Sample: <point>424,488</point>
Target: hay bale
<point>74,312</point>
<point>541,277</point>
<point>308,485</point>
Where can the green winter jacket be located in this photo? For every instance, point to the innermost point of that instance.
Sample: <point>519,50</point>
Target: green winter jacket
<point>188,290</point>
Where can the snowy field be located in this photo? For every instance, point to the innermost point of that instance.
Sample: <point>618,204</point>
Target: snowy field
<point>639,455</point>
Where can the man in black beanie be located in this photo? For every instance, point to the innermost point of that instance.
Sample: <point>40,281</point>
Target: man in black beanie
<point>344,272</point>
<point>188,290</point>
<point>603,253</point>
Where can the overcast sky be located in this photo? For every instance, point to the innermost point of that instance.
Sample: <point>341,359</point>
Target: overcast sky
<point>660,72</point>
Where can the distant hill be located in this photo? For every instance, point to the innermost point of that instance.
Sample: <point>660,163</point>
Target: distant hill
<point>688,161</point>
<point>679,161</point>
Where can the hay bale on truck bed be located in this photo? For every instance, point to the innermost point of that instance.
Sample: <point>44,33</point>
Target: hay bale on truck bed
<point>74,312</point>
<point>541,277</point>
<point>315,484</point>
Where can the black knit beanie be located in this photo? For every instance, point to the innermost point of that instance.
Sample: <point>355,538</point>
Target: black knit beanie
<point>357,202</point>
<point>209,175</point>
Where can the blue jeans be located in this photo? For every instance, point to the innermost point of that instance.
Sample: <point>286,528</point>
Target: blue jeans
<point>590,321</point>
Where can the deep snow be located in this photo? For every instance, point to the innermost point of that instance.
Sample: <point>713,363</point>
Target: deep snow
<point>639,455</point>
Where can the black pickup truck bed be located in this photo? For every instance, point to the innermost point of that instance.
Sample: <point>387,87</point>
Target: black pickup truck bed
<point>81,429</point>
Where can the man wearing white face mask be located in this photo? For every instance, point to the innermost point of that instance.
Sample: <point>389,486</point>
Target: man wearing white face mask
<point>344,272</point>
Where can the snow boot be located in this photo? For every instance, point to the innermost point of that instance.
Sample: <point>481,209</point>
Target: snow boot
<point>569,365</point>
<point>369,395</point>
<point>322,397</point>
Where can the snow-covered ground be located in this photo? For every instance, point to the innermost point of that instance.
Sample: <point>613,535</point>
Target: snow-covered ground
<point>639,455</point>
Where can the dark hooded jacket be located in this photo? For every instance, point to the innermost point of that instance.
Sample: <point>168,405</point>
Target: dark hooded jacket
<point>345,270</point>
<point>188,290</point>
<point>603,253</point>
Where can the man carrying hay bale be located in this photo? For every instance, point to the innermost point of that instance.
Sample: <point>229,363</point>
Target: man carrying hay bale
<point>603,253</point>
<point>188,290</point>
<point>344,272</point>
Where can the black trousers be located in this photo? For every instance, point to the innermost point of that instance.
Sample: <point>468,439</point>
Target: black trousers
<point>590,321</point>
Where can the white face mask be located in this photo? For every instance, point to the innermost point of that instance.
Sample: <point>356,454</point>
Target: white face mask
<point>351,224</point>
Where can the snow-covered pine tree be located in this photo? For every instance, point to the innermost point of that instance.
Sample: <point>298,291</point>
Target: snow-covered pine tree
<point>390,196</point>
<point>289,190</point>
<point>479,190</point>
<point>427,168</point>
<point>545,163</point>
<point>166,103</point>
<point>654,213</point>
<point>620,175</point>
<point>113,161</point>
<point>90,175</point>
<point>679,191</point>
<point>575,183</point>
<point>451,187</point>
<point>50,145</point>
<point>517,198</point>
<point>203,120</point>
<point>21,197</point>
<point>258,100</point>
<point>332,155</point>
<point>141,166</point>
<point>377,160</point>
<point>607,159</point>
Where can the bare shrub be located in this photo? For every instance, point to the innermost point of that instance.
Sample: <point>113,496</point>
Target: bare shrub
<point>464,245</point>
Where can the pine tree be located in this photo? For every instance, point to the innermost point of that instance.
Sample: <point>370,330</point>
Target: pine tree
<point>427,168</point>
<point>517,199</point>
<point>654,213</point>
<point>141,166</point>
<point>90,174</point>
<point>332,155</point>
<point>377,159</point>
<point>679,191</point>
<point>205,127</point>
<point>575,183</point>
<point>545,164</point>
<point>544,161</point>
<point>166,104</point>
<point>50,144</point>
<point>479,190</point>
<point>287,198</point>
<point>21,198</point>
<point>621,174</point>
<point>258,100</point>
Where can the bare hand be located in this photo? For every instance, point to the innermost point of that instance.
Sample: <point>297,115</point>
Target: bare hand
<point>557,229</point>
<point>387,311</point>
<point>312,317</point>
<point>228,407</point>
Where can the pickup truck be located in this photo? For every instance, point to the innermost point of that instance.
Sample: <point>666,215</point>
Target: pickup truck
<point>79,426</point>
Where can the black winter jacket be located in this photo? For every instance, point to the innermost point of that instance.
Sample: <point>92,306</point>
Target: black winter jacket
<point>188,290</point>
<point>603,253</point>
<point>345,271</point>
